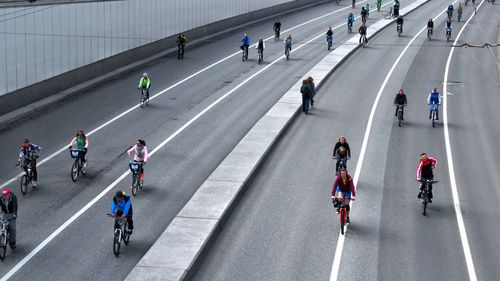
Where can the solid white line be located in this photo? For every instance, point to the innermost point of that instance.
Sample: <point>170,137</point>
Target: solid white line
<point>340,242</point>
<point>48,158</point>
<point>51,237</point>
<point>454,191</point>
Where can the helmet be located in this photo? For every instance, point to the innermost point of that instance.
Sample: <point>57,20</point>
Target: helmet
<point>145,74</point>
<point>5,192</point>
<point>120,194</point>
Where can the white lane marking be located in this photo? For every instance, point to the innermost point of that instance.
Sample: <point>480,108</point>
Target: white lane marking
<point>340,242</point>
<point>60,229</point>
<point>164,91</point>
<point>454,191</point>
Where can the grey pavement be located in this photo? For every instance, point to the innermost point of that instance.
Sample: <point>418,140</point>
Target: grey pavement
<point>173,174</point>
<point>284,228</point>
<point>235,171</point>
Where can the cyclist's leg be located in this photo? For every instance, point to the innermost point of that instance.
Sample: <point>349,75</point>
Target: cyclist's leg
<point>13,232</point>
<point>33,168</point>
<point>147,92</point>
<point>437,112</point>
<point>337,165</point>
<point>130,220</point>
<point>118,214</point>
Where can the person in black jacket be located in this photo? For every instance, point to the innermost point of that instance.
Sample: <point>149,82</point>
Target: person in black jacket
<point>9,212</point>
<point>400,99</point>
<point>341,152</point>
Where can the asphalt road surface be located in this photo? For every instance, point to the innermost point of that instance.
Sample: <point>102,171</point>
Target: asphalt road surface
<point>82,250</point>
<point>285,228</point>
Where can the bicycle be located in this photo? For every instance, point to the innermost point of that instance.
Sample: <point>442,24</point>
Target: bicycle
<point>244,53</point>
<point>425,193</point>
<point>429,33</point>
<point>342,211</point>
<point>342,165</point>
<point>434,108</point>
<point>180,51</point>
<point>80,164</point>
<point>143,100</point>
<point>137,182</point>
<point>276,35</point>
<point>329,41</point>
<point>448,34</point>
<point>260,56</point>
<point>388,15</point>
<point>287,51</point>
<point>399,29</point>
<point>120,234</point>
<point>400,112</point>
<point>28,176</point>
<point>5,236</point>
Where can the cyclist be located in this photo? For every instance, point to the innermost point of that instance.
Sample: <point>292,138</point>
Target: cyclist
<point>430,26</point>
<point>29,152</point>
<point>350,19</point>
<point>459,10</point>
<point>399,22</point>
<point>449,11</point>
<point>379,5</point>
<point>181,42</point>
<point>82,144</point>
<point>341,152</point>
<point>140,155</point>
<point>121,206</point>
<point>277,28</point>
<point>363,14</point>
<point>245,42</point>
<point>434,98</point>
<point>400,99</point>
<point>424,172</point>
<point>288,43</point>
<point>396,8</point>
<point>362,33</point>
<point>448,26</point>
<point>343,188</point>
<point>329,35</point>
<point>145,83</point>
<point>353,3</point>
<point>9,210</point>
<point>260,46</point>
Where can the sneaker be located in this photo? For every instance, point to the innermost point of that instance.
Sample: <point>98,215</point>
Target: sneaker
<point>34,184</point>
<point>337,210</point>
<point>430,200</point>
<point>12,245</point>
<point>130,232</point>
<point>347,221</point>
<point>437,118</point>
<point>419,195</point>
<point>142,177</point>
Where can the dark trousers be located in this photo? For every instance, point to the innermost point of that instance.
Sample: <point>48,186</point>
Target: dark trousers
<point>305,103</point>
<point>33,167</point>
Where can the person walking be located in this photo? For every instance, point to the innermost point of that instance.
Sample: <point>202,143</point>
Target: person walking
<point>305,90</point>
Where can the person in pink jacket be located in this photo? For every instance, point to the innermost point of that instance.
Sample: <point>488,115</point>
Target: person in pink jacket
<point>343,189</point>
<point>140,154</point>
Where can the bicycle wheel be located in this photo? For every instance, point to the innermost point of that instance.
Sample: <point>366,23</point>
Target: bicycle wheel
<point>287,54</point>
<point>135,183</point>
<point>74,171</point>
<point>117,242</point>
<point>424,204</point>
<point>126,236</point>
<point>400,117</point>
<point>433,118</point>
<point>24,184</point>
<point>3,245</point>
<point>342,219</point>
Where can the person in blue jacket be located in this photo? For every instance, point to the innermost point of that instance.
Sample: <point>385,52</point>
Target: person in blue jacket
<point>121,206</point>
<point>434,100</point>
<point>245,42</point>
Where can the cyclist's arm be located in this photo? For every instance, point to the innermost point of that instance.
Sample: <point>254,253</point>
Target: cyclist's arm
<point>132,149</point>
<point>113,207</point>
<point>434,161</point>
<point>126,209</point>
<point>419,169</point>
<point>148,83</point>
<point>335,150</point>
<point>72,141</point>
<point>334,187</point>
<point>353,189</point>
<point>429,98</point>
<point>405,101</point>
<point>145,154</point>
<point>348,150</point>
<point>21,155</point>
<point>14,205</point>
<point>140,82</point>
<point>86,142</point>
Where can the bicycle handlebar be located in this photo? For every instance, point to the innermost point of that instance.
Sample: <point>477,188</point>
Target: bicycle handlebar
<point>430,181</point>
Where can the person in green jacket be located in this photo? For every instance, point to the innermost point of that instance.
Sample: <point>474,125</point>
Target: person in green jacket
<point>306,92</point>
<point>82,144</point>
<point>367,9</point>
<point>145,83</point>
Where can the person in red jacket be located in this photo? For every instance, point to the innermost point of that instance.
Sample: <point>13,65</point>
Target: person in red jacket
<point>424,172</point>
<point>343,190</point>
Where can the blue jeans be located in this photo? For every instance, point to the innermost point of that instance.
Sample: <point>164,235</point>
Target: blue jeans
<point>305,104</point>
<point>434,107</point>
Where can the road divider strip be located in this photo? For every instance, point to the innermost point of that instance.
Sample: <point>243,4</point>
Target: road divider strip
<point>178,250</point>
